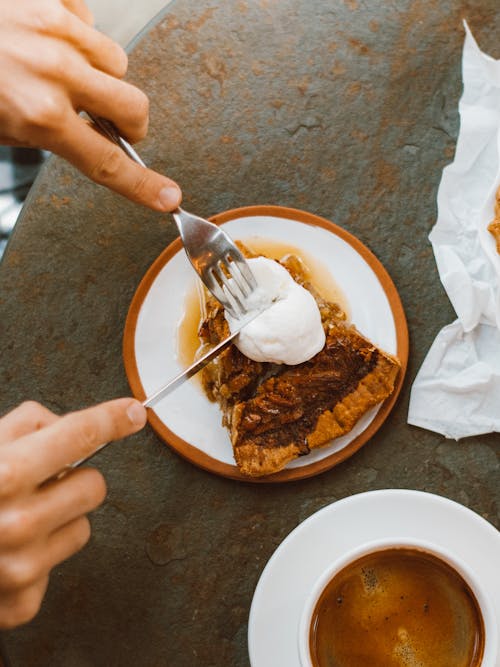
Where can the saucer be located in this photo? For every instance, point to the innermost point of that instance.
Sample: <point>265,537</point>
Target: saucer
<point>308,550</point>
<point>186,419</point>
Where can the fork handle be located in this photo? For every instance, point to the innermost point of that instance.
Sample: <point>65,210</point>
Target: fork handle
<point>110,131</point>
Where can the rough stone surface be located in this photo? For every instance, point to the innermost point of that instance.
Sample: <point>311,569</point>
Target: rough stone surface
<point>346,109</point>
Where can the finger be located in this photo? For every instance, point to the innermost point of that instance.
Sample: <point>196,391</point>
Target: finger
<point>26,418</point>
<point>100,51</point>
<point>106,164</point>
<point>53,505</point>
<point>22,570</point>
<point>80,9</point>
<point>60,502</point>
<point>65,542</point>
<point>9,141</point>
<point>38,456</point>
<point>115,100</point>
<point>21,606</point>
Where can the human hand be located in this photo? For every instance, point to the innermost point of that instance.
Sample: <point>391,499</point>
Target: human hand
<point>54,64</point>
<point>44,522</point>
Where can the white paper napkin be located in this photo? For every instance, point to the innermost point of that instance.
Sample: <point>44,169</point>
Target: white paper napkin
<point>457,390</point>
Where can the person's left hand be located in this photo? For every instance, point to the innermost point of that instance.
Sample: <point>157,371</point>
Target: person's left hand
<point>43,519</point>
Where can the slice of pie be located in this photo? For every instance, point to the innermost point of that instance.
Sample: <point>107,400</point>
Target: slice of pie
<point>276,413</point>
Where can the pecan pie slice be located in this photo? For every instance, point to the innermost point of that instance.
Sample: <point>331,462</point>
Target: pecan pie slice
<point>276,413</point>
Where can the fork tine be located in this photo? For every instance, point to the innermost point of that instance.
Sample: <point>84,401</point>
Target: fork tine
<point>235,269</point>
<point>221,290</point>
<point>231,290</point>
<point>237,260</point>
<point>230,284</point>
<point>213,285</point>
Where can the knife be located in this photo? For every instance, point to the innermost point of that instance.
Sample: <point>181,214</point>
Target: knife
<point>174,383</point>
<point>179,379</point>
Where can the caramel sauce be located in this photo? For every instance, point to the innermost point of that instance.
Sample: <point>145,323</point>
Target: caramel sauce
<point>188,345</point>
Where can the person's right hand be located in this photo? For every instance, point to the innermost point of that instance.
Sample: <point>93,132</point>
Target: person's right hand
<point>44,522</point>
<point>53,64</point>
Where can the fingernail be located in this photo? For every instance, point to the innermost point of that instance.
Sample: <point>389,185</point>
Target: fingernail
<point>169,198</point>
<point>137,413</point>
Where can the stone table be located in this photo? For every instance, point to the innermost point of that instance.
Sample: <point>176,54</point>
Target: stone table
<point>346,109</point>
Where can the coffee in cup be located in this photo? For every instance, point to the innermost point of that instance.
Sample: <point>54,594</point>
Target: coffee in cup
<point>396,605</point>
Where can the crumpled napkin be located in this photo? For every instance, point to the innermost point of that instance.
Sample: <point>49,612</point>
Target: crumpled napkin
<point>457,390</point>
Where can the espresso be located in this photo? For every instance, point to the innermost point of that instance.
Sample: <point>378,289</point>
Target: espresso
<point>399,607</point>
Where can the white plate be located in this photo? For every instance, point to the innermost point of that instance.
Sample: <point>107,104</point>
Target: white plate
<point>300,559</point>
<point>186,419</point>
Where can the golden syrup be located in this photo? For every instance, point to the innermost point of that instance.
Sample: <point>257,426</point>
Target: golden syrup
<point>316,272</point>
<point>188,344</point>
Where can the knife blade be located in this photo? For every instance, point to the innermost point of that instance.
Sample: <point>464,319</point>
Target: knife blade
<point>195,367</point>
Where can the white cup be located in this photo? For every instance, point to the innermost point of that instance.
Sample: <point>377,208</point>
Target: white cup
<point>491,630</point>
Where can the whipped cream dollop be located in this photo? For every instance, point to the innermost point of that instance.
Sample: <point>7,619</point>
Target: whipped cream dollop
<point>289,331</point>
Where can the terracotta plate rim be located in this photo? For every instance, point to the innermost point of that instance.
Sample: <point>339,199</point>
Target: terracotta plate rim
<point>203,460</point>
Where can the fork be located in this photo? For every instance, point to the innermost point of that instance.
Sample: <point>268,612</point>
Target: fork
<point>214,257</point>
<point>212,253</point>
